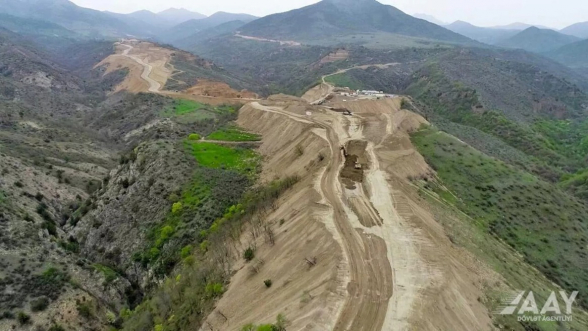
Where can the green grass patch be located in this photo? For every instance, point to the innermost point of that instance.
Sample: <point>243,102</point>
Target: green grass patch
<point>233,134</point>
<point>182,106</point>
<point>541,221</point>
<point>211,155</point>
<point>344,80</point>
<point>188,112</point>
<point>223,175</point>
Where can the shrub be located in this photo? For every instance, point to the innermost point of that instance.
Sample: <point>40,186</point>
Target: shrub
<point>7,315</point>
<point>50,227</point>
<point>299,150</point>
<point>186,251</point>
<point>249,254</point>
<point>214,289</point>
<point>268,283</point>
<point>194,136</point>
<point>84,310</point>
<point>23,318</point>
<point>39,304</point>
<point>177,208</point>
<point>56,327</point>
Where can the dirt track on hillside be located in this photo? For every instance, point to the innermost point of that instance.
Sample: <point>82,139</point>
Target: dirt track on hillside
<point>150,69</point>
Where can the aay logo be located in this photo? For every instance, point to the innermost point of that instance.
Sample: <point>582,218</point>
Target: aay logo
<point>528,310</point>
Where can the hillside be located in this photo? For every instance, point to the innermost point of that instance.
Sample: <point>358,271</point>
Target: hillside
<point>191,27</point>
<point>331,18</point>
<point>579,30</point>
<point>27,26</point>
<point>85,21</point>
<point>191,42</point>
<point>538,40</point>
<point>485,35</point>
<point>573,55</point>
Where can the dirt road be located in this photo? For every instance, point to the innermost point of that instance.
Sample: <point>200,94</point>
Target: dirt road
<point>153,85</point>
<point>370,286</point>
<point>281,42</point>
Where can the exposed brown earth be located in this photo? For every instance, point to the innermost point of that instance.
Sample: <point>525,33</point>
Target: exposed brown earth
<point>338,55</point>
<point>209,88</point>
<point>149,70</point>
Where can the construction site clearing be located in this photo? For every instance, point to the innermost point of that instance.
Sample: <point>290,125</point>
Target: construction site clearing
<point>347,95</point>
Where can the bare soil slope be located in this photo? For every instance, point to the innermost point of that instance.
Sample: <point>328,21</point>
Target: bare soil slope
<point>150,68</point>
<point>382,261</point>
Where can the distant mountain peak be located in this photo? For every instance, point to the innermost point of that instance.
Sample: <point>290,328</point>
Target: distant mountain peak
<point>346,2</point>
<point>330,18</point>
<point>461,23</point>
<point>180,15</point>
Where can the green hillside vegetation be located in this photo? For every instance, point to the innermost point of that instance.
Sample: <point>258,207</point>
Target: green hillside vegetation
<point>233,134</point>
<point>188,112</point>
<point>344,80</point>
<point>205,270</point>
<point>215,156</point>
<point>547,225</point>
<point>556,147</point>
<point>186,106</point>
<point>577,183</point>
<point>222,175</point>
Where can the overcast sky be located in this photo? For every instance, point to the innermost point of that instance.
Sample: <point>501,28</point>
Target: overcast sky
<point>557,14</point>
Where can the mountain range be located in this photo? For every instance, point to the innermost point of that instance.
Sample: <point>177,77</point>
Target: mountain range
<point>193,26</point>
<point>485,35</point>
<point>331,18</point>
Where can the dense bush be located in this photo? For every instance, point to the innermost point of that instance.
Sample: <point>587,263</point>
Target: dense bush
<point>23,318</point>
<point>39,304</point>
<point>249,254</point>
